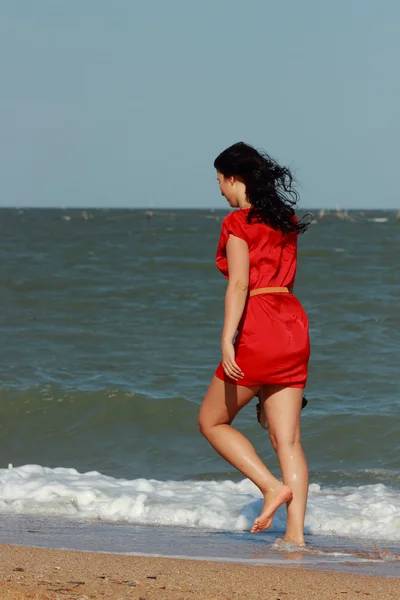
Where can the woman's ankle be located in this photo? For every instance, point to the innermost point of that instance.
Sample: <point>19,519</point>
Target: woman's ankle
<point>272,487</point>
<point>294,538</point>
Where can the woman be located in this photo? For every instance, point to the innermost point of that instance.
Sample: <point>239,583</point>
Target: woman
<point>269,357</point>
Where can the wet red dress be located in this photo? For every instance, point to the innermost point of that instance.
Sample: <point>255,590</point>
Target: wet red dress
<point>272,345</point>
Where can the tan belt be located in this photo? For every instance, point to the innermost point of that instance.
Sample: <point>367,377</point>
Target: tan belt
<point>269,290</point>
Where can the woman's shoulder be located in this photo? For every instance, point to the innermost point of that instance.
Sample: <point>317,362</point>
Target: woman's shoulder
<point>235,223</point>
<point>236,216</point>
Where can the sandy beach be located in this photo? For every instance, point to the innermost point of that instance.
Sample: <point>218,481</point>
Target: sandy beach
<point>46,574</point>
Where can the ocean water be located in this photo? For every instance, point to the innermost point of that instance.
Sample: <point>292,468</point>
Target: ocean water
<point>110,328</point>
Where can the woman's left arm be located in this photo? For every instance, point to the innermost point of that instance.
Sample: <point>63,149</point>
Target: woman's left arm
<point>237,253</point>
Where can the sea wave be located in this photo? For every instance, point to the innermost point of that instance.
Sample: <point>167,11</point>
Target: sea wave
<point>366,512</point>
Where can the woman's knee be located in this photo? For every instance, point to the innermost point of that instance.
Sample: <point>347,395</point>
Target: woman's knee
<point>202,422</point>
<point>202,425</point>
<point>206,422</point>
<point>282,443</point>
<point>284,447</point>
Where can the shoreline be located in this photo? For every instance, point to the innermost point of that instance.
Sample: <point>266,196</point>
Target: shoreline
<point>114,538</point>
<point>49,574</point>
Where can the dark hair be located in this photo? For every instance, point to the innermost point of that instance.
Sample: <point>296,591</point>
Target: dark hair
<point>269,187</point>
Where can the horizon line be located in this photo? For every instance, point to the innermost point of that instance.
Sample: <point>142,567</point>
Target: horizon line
<point>206,208</point>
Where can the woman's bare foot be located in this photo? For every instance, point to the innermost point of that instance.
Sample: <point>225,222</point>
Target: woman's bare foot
<point>272,501</point>
<point>295,541</point>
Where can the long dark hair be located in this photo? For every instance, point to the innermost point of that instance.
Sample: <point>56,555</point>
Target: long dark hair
<point>269,187</point>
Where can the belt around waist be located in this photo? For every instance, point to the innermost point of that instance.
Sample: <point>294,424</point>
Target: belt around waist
<point>269,290</point>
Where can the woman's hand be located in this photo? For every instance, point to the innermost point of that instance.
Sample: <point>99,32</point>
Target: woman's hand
<point>229,364</point>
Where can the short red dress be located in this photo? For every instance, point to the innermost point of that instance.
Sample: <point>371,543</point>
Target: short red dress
<point>272,344</point>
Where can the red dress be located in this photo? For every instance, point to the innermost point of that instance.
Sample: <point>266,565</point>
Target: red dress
<point>272,345</point>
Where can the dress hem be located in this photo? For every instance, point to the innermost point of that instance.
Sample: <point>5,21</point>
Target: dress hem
<point>246,383</point>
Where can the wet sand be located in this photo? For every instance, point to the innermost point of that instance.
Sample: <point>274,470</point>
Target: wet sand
<point>45,574</point>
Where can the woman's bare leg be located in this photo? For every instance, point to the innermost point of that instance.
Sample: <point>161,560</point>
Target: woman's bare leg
<point>282,407</point>
<point>220,406</point>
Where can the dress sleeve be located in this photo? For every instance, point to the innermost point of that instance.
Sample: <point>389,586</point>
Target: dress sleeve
<point>235,225</point>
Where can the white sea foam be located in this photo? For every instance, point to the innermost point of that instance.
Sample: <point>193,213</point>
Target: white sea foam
<point>370,511</point>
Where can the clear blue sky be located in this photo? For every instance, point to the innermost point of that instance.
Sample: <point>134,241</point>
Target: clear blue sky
<point>127,102</point>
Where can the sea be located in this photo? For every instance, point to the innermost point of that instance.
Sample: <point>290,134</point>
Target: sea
<point>110,328</point>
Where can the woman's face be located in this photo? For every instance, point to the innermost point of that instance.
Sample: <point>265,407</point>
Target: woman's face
<point>227,185</point>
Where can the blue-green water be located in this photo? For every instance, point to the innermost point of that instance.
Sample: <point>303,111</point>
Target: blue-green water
<point>110,328</point>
